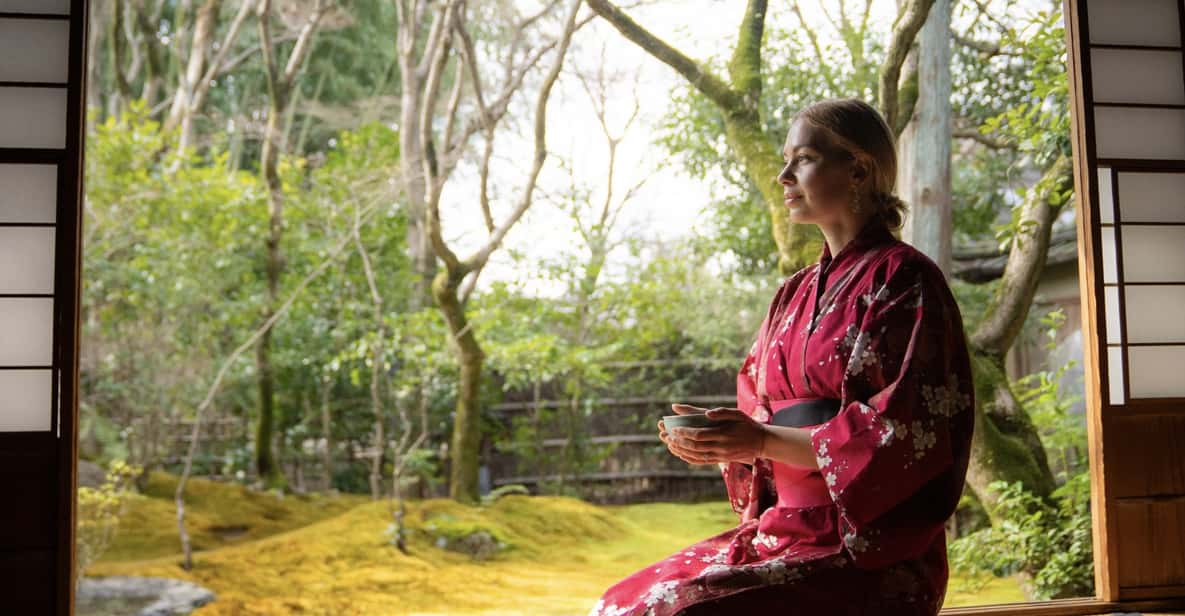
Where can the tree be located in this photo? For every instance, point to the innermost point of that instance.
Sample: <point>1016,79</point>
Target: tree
<point>924,147</point>
<point>738,101</point>
<point>280,82</point>
<point>202,66</point>
<point>452,285</point>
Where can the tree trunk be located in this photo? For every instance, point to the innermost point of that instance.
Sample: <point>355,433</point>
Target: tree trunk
<point>411,167</point>
<point>327,433</point>
<point>1006,445</point>
<point>265,464</point>
<point>182,111</point>
<point>924,147</point>
<point>279,84</point>
<point>463,451</point>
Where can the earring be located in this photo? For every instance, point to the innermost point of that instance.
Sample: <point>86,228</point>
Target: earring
<point>855,200</point>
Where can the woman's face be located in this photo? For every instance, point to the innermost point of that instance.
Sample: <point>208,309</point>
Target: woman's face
<point>817,177</point>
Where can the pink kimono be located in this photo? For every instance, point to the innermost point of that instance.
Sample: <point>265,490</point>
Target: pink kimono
<point>874,332</point>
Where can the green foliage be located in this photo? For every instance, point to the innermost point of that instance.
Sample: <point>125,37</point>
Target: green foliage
<point>1048,542</point>
<point>1062,432</point>
<point>794,74</point>
<point>1037,120</point>
<point>1051,543</point>
<point>672,305</point>
<point>171,277</point>
<point>99,511</point>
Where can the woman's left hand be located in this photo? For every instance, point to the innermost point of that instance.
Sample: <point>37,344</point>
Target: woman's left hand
<point>740,439</point>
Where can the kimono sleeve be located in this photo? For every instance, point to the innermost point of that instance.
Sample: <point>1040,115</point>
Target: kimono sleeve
<point>895,457</point>
<point>750,487</point>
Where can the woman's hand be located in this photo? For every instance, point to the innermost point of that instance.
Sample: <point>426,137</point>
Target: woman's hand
<point>741,439</point>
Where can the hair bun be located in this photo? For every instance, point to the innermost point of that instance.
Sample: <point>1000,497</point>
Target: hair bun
<point>891,209</point>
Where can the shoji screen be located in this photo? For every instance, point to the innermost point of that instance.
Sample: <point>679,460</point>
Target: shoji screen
<point>1128,77</point>
<point>41,68</point>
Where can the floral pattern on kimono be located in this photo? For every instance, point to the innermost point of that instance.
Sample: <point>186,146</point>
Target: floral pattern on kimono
<point>877,328</point>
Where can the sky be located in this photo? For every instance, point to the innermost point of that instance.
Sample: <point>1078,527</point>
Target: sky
<point>670,203</point>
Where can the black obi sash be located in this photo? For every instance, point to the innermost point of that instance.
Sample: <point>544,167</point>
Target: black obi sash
<point>806,413</point>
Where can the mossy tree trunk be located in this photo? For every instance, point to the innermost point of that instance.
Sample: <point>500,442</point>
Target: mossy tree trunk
<point>466,437</point>
<point>1007,446</point>
<point>281,81</point>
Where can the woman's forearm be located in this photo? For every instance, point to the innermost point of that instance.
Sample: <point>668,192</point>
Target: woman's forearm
<point>790,446</point>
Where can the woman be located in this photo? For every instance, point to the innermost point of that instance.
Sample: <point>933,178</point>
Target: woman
<point>849,449</point>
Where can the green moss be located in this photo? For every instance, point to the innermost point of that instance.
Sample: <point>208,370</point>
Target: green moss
<point>216,515</point>
<point>566,553</point>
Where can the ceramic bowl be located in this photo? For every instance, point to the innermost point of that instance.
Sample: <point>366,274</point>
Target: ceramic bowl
<point>694,420</point>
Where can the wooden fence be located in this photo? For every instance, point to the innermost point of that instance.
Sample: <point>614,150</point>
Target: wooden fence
<point>635,465</point>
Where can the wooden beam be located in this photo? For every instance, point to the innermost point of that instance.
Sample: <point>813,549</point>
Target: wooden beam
<point>688,474</point>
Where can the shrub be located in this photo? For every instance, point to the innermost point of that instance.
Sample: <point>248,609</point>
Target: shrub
<point>99,511</point>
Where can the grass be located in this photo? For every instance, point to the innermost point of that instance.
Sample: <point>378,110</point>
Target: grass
<point>561,554</point>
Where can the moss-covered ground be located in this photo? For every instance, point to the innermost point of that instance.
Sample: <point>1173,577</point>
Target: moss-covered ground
<point>323,555</point>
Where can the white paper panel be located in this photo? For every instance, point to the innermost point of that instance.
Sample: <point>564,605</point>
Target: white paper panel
<point>1106,198</point>
<point>33,118</point>
<point>1115,374</point>
<point>1137,76</point>
<point>1133,22</point>
<point>34,50</point>
<point>27,403</point>
<point>1152,197</point>
<point>1153,253</point>
<point>1154,314</point>
<point>26,259</point>
<point>30,193</point>
<point>1110,267</point>
<point>39,7</point>
<point>1156,371</point>
<point>1124,132</point>
<point>1114,331</point>
<point>26,329</point>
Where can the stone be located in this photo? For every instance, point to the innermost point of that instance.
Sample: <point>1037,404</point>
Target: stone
<point>151,596</point>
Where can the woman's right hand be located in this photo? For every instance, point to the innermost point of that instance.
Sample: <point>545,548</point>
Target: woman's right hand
<point>688,449</point>
<point>666,436</point>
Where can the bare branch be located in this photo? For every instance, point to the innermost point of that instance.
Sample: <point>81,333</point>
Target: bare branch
<point>454,103</point>
<point>483,254</point>
<point>712,86</point>
<point>469,57</point>
<point>296,58</point>
<point>433,179</point>
<point>987,49</point>
<point>237,61</point>
<point>216,68</point>
<point>265,37</point>
<point>470,284</point>
<point>824,65</point>
<point>435,38</point>
<point>974,135</point>
<point>1026,260</point>
<point>501,105</point>
<point>484,193</point>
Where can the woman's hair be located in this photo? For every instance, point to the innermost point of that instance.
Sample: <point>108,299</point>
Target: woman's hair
<point>858,128</point>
